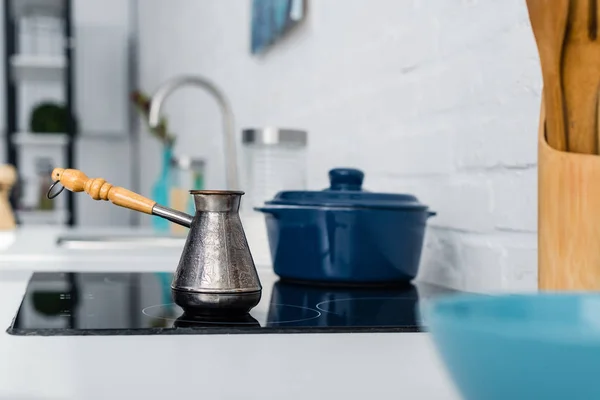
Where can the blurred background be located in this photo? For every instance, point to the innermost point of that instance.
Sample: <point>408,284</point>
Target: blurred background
<point>435,98</point>
<point>68,68</point>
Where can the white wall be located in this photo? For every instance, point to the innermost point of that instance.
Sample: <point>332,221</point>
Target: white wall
<point>103,31</point>
<point>438,98</point>
<point>102,13</point>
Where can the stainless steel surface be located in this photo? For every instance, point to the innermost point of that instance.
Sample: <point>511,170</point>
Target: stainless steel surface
<point>216,303</point>
<point>217,200</point>
<point>188,163</point>
<point>228,123</point>
<point>172,215</point>
<point>216,258</point>
<point>119,242</point>
<point>274,136</point>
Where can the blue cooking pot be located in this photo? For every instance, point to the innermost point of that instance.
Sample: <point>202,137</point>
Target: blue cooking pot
<point>345,234</point>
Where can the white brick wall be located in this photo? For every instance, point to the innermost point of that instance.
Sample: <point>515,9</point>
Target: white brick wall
<point>439,98</point>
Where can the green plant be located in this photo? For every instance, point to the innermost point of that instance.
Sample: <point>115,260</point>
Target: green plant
<point>49,117</point>
<point>142,102</point>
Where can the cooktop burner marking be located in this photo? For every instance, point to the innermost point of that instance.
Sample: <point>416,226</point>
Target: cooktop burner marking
<point>320,308</point>
<point>178,313</point>
<point>317,314</point>
<point>172,307</point>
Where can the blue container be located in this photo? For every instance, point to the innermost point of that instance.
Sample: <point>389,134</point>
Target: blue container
<point>161,189</point>
<point>526,346</point>
<point>344,234</point>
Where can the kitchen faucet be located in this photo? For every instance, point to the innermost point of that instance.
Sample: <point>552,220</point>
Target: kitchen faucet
<point>228,127</point>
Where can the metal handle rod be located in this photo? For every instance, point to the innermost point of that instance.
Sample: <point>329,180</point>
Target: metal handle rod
<point>169,214</point>
<point>228,123</point>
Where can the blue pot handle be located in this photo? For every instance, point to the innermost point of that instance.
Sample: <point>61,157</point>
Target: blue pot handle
<point>277,210</point>
<point>267,210</point>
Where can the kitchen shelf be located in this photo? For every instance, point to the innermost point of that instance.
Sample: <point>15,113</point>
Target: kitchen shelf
<point>22,8</point>
<point>103,136</point>
<point>40,139</point>
<point>27,67</point>
<point>42,217</point>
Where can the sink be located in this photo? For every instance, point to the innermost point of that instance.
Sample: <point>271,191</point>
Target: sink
<point>120,242</point>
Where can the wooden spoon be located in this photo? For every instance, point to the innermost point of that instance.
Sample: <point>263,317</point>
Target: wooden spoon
<point>581,76</point>
<point>548,21</point>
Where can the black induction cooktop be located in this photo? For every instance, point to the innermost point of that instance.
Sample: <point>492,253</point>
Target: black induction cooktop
<point>92,303</point>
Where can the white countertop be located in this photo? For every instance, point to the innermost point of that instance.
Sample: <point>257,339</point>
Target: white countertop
<point>40,244</point>
<point>269,366</point>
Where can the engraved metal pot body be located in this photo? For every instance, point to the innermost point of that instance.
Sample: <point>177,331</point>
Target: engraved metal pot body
<point>216,273</point>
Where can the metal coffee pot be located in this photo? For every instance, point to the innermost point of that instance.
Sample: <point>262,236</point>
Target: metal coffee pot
<point>216,273</point>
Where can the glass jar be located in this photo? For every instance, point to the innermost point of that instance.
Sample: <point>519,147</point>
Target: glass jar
<point>189,172</point>
<point>275,160</point>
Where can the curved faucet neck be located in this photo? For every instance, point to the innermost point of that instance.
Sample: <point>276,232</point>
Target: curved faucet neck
<point>229,139</point>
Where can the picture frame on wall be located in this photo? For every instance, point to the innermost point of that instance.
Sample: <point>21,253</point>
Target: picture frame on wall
<point>272,20</point>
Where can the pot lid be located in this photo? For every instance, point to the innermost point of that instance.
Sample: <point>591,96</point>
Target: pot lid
<point>346,190</point>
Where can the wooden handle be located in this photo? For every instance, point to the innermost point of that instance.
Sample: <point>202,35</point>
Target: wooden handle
<point>580,65</point>
<point>549,21</point>
<point>98,189</point>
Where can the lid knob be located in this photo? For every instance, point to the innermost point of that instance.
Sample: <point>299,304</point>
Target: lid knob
<point>345,179</point>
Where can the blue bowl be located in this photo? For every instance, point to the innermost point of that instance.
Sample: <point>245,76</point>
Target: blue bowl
<point>524,346</point>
